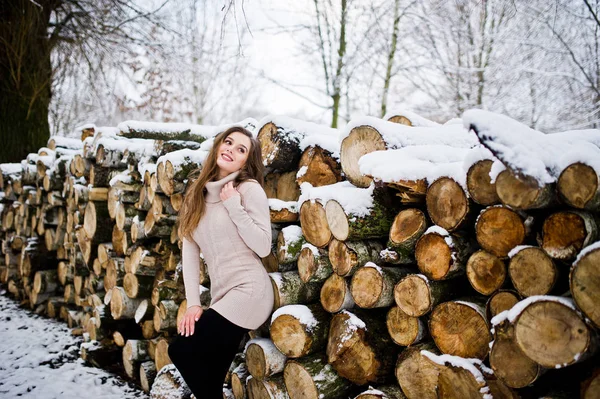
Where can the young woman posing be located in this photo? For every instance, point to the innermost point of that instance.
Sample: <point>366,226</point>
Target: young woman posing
<point>226,215</point>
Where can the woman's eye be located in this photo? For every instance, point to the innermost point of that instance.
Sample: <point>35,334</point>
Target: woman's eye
<point>242,150</point>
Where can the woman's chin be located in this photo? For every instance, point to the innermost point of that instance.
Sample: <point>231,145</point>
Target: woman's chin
<point>226,167</point>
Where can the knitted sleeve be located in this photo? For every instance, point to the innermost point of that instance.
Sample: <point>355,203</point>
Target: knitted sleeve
<point>191,271</point>
<point>252,219</point>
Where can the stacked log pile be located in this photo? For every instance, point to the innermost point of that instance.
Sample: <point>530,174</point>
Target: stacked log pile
<point>410,259</point>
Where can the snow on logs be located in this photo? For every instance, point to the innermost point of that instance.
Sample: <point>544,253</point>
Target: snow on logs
<point>431,250</point>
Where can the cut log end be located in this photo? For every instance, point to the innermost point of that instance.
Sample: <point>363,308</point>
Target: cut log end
<point>413,296</point>
<point>447,203</point>
<point>585,285</point>
<point>578,186</point>
<point>361,140</point>
<point>479,184</point>
<point>499,230</point>
<point>485,272</point>
<point>532,272</point>
<point>313,221</point>
<point>434,256</point>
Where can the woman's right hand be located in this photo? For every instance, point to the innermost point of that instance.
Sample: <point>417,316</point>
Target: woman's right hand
<point>188,321</point>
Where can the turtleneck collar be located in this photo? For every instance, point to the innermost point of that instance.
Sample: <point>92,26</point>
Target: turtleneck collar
<point>213,188</point>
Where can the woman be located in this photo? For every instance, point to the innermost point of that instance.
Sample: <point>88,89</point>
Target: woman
<point>226,215</point>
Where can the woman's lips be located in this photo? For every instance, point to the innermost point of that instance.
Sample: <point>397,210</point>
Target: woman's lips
<point>227,157</point>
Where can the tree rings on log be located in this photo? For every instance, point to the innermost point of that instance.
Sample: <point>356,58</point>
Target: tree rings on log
<point>312,377</point>
<point>348,256</point>
<point>416,295</point>
<point>460,328</point>
<point>479,184</point>
<point>405,330</point>
<point>416,374</point>
<point>486,272</point>
<point>447,204</point>
<point>565,233</point>
<point>579,186</point>
<point>336,294</point>
<point>313,221</point>
<point>361,140</point>
<point>407,228</point>
<point>523,192</point>
<point>499,230</point>
<point>532,272</point>
<point>585,284</point>
<point>296,334</point>
<point>372,286</point>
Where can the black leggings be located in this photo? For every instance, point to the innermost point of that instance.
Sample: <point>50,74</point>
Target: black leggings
<point>203,358</point>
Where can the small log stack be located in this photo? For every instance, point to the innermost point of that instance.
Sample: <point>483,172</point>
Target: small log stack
<point>463,277</point>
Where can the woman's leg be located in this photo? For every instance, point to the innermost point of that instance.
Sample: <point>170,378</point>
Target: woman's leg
<point>204,357</point>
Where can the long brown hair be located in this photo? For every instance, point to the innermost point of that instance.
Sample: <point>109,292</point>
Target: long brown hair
<point>194,205</point>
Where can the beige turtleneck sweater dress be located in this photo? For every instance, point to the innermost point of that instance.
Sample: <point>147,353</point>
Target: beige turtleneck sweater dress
<point>233,235</point>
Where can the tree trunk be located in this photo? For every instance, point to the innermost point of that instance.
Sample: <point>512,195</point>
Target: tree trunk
<point>441,256</point>
<point>313,221</point>
<point>408,226</point>
<point>289,289</point>
<point>318,167</point>
<point>448,205</point>
<point>417,375</point>
<point>499,302</point>
<point>500,229</point>
<point>25,89</point>
<point>314,264</point>
<point>373,286</point>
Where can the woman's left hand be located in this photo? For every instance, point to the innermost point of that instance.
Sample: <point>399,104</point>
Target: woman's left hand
<point>228,191</point>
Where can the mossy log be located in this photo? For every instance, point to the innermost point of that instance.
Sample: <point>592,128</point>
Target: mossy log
<point>289,244</point>
<point>314,264</point>
<point>289,289</point>
<point>347,257</point>
<point>272,388</point>
<point>346,225</point>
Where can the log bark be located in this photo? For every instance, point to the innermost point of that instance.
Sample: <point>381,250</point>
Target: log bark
<point>382,392</point>
<point>121,241</point>
<point>289,244</point>
<point>121,306</point>
<point>460,328</point>
<point>169,380</point>
<point>314,264</point>
<point>165,316</point>
<point>345,225</point>
<point>348,256</point>
<point>147,375</point>
<point>295,335</point>
<point>138,286</point>
<point>95,221</point>
<point>280,149</point>
<point>273,388</point>
<point>263,359</point>
<point>584,281</point>
<point>289,289</point>
<point>238,381</point>
<point>523,192</point>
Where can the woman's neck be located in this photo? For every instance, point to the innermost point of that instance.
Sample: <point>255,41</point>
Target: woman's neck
<point>213,188</point>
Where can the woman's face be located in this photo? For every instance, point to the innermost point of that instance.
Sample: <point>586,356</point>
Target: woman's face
<point>233,153</point>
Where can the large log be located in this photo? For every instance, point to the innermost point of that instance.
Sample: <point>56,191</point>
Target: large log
<point>448,205</point>
<point>416,374</point>
<point>313,221</point>
<point>486,272</point>
<point>289,289</point>
<point>479,184</point>
<point>169,383</point>
<point>405,330</point>
<point>347,257</point>
<point>299,330</point>
<point>416,295</point>
<point>318,167</point>
<point>350,225</point>
<point>532,271</point>
<point>552,333</point>
<point>584,281</point>
<point>335,294</point>
<point>314,264</point>
<point>289,244</point>
<point>408,226</point>
<point>499,229</point>
<point>441,256</point>
<point>460,328</point>
<point>565,233</point>
<point>121,306</point>
<point>523,192</point>
<point>359,348</point>
<point>311,377</point>
<point>263,359</point>
<point>508,361</point>
<point>579,186</point>
<point>372,286</point>
<point>272,388</point>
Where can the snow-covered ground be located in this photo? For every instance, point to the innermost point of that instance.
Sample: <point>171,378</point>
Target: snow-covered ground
<point>39,358</point>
